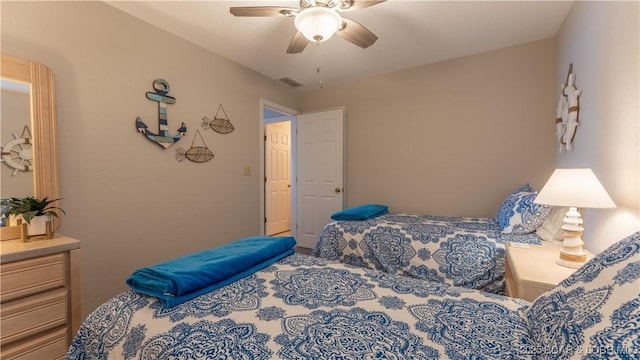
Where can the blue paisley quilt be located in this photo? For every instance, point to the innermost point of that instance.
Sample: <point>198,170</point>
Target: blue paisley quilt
<point>304,307</point>
<point>461,251</point>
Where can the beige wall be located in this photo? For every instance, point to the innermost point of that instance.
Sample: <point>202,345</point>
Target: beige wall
<point>452,138</point>
<point>601,39</point>
<point>130,202</point>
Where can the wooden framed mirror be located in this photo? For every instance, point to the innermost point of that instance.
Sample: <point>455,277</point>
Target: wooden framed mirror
<point>43,131</point>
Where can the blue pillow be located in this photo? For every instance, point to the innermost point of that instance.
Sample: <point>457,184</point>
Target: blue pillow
<point>518,214</point>
<point>362,212</point>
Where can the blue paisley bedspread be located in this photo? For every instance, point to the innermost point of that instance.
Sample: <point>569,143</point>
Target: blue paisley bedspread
<point>461,251</point>
<point>304,307</point>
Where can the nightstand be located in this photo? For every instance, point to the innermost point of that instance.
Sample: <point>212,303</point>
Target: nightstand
<point>530,271</point>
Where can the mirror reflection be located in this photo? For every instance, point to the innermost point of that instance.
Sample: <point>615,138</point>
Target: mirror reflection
<point>17,146</point>
<point>27,133</point>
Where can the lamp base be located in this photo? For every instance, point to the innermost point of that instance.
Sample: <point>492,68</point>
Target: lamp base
<point>572,255</point>
<point>571,261</point>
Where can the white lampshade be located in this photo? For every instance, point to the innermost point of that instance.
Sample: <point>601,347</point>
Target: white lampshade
<point>318,23</point>
<point>574,187</point>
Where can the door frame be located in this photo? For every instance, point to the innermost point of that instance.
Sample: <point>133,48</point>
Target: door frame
<point>292,114</point>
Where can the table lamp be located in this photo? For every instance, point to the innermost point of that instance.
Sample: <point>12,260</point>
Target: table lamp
<point>574,188</point>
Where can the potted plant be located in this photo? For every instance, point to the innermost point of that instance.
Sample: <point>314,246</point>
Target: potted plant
<point>35,212</point>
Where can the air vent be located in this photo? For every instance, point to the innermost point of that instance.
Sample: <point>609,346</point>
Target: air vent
<point>289,81</point>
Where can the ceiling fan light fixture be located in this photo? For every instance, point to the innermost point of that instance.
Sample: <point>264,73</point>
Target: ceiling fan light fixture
<point>318,24</point>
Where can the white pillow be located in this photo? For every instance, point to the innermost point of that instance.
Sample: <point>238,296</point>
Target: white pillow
<point>550,229</point>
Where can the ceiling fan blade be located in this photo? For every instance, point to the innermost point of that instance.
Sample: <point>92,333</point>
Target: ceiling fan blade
<point>354,32</point>
<point>262,11</point>
<point>361,4</point>
<point>297,44</point>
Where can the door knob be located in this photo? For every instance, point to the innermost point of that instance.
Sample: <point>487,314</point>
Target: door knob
<point>337,190</point>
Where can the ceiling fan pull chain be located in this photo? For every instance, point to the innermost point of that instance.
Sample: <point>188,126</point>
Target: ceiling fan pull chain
<point>318,59</point>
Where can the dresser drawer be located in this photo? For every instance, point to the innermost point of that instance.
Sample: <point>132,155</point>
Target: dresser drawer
<point>31,276</point>
<point>32,315</point>
<point>51,345</point>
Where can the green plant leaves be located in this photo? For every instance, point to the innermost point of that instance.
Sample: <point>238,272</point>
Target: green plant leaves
<point>30,207</point>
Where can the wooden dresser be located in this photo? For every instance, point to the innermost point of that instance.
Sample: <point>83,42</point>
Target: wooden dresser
<point>40,297</point>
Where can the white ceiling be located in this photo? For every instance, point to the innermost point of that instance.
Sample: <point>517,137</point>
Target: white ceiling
<point>411,33</point>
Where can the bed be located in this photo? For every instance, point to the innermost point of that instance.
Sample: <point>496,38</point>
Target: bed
<point>461,251</point>
<point>304,307</point>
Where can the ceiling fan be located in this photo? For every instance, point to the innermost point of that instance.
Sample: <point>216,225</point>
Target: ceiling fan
<point>317,21</point>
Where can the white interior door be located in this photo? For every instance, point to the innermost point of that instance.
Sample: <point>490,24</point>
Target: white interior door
<point>320,172</point>
<point>278,177</point>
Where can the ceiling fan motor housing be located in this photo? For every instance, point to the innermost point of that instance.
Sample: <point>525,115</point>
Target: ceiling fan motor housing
<point>318,23</point>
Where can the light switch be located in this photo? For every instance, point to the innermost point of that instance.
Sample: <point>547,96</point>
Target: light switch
<point>246,171</point>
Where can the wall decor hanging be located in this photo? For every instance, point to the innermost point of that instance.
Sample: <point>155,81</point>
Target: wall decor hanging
<point>18,153</point>
<point>163,138</point>
<point>221,125</point>
<point>198,154</point>
<point>567,111</point>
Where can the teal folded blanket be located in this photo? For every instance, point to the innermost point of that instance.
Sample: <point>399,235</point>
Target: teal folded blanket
<point>362,212</point>
<point>176,281</point>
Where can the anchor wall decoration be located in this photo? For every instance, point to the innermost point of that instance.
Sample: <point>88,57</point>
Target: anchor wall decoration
<point>163,138</point>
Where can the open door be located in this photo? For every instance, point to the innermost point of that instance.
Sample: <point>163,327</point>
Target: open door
<point>277,169</point>
<point>320,172</point>
<point>277,177</point>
